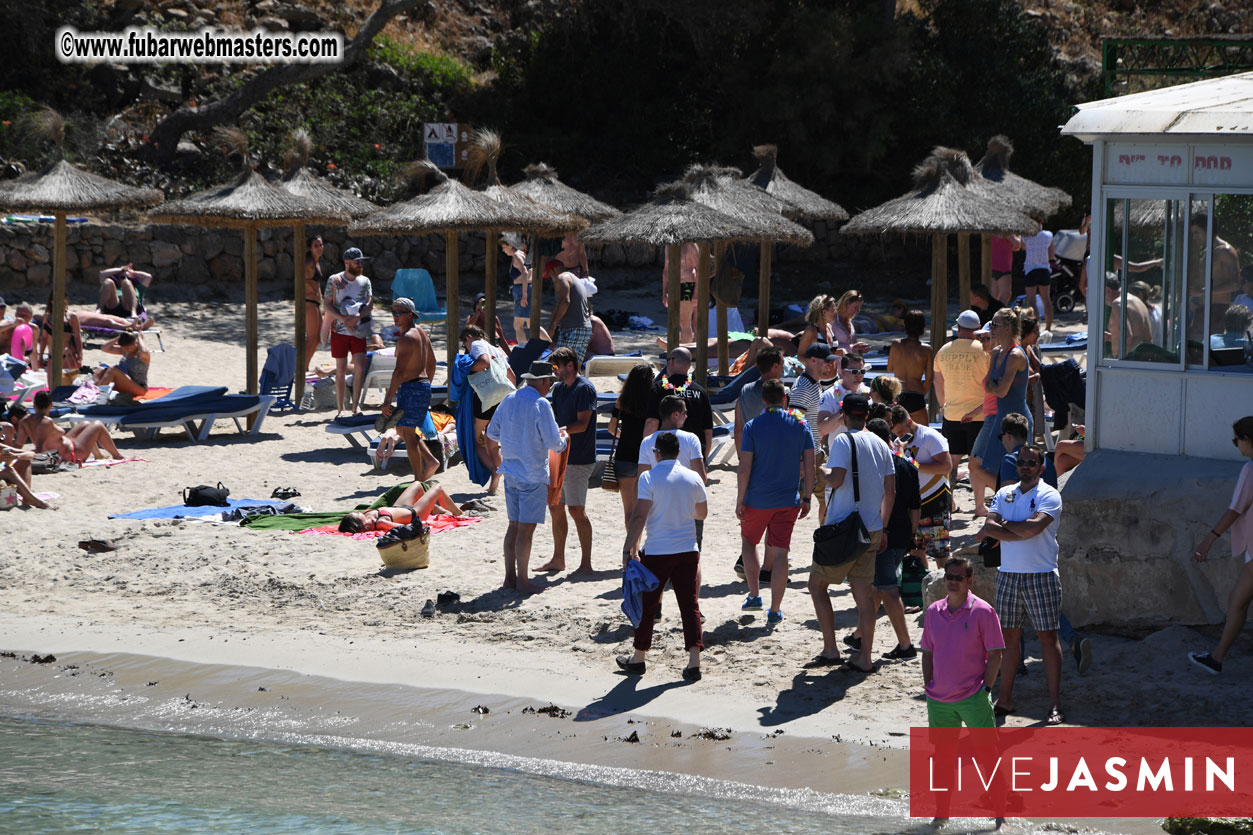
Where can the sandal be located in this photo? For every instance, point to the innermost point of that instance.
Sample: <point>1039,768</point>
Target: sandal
<point>823,661</point>
<point>284,493</point>
<point>1056,717</point>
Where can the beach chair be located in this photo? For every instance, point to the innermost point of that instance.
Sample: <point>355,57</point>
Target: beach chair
<point>418,286</point>
<point>278,376</point>
<point>358,430</point>
<point>109,333</point>
<point>193,409</point>
<point>605,366</point>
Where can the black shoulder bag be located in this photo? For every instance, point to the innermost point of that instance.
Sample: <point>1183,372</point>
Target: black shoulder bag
<point>839,543</point>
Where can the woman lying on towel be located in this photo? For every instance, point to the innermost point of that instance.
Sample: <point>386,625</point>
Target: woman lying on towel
<point>416,503</point>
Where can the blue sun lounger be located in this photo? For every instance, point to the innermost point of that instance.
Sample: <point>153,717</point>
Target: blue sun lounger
<point>193,409</point>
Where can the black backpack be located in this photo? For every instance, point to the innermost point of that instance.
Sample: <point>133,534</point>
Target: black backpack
<point>202,495</point>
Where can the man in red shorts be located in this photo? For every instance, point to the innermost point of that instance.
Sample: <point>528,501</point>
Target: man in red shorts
<point>774,443</point>
<point>349,301</point>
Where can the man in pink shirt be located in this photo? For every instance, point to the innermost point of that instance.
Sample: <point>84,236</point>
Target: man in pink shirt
<point>961,653</point>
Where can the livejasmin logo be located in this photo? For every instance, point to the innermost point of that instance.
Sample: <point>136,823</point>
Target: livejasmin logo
<point>1081,772</point>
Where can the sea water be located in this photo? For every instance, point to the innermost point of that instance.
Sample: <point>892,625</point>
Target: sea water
<point>65,777</point>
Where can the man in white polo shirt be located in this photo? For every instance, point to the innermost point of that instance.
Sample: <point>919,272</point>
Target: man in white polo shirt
<point>1024,517</point>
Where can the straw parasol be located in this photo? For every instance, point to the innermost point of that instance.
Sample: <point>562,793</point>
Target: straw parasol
<point>247,202</point>
<point>807,205</point>
<point>530,216</point>
<point>940,204</point>
<point>300,181</point>
<point>724,189</point>
<point>61,188</point>
<point>543,186</point>
<point>448,208</point>
<point>996,180</point>
<point>671,218</point>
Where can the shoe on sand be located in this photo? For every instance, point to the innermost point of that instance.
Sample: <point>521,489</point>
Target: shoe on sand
<point>1206,662</point>
<point>635,668</point>
<point>1082,650</point>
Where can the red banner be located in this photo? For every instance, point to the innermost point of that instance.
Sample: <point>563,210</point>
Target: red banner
<point>1080,772</point>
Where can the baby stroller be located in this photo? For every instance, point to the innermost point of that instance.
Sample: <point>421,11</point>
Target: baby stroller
<point>1069,250</point>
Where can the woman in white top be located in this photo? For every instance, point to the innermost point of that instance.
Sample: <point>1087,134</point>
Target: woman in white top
<point>1037,268</point>
<point>1239,519</point>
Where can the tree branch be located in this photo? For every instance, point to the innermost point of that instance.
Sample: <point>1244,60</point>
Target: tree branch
<point>167,133</point>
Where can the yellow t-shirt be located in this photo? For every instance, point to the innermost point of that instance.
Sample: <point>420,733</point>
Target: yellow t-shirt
<point>964,364</point>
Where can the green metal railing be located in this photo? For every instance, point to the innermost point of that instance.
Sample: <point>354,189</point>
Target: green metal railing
<point>1132,65</point>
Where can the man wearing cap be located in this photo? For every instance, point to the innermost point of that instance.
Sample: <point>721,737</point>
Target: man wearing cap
<point>522,433</point>
<point>411,386</point>
<point>349,301</point>
<point>960,367</point>
<point>872,499</point>
<point>805,395</point>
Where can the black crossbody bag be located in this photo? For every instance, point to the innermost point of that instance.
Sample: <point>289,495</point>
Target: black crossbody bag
<point>837,544</point>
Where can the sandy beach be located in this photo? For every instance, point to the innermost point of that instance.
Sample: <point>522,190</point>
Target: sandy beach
<point>218,594</point>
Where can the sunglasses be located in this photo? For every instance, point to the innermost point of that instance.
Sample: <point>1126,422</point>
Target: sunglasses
<point>858,372</point>
<point>1028,464</point>
<point>955,578</point>
<point>360,262</point>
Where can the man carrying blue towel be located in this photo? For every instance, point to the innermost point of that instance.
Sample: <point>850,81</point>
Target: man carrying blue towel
<point>670,498</point>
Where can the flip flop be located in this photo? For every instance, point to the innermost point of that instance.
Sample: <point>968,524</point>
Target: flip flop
<point>284,493</point>
<point>1002,711</point>
<point>1056,717</point>
<point>822,661</point>
<point>384,422</point>
<point>853,668</point>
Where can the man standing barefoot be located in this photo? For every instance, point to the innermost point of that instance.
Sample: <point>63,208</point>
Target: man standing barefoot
<point>520,436</point>
<point>574,407</point>
<point>348,302</point>
<point>411,386</point>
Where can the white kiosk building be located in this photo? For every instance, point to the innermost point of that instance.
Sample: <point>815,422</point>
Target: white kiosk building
<point>1172,221</point>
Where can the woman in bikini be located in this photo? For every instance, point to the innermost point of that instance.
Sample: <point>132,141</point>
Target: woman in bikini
<point>520,276</point>
<point>818,330</point>
<point>416,503</point>
<point>314,279</point>
<point>72,354</point>
<point>573,256</point>
<point>78,445</point>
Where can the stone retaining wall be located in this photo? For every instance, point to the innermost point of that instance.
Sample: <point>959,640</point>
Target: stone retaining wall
<point>201,260</point>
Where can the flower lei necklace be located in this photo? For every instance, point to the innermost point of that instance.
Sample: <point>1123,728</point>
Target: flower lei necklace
<point>669,386</point>
<point>796,413</point>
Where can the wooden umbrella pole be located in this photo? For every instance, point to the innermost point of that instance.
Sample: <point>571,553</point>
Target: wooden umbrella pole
<point>963,270</point>
<point>451,289</point>
<point>57,351</point>
<point>536,294</point>
<point>763,292</point>
<point>702,314</point>
<point>672,297</point>
<point>724,350</point>
<point>250,303</point>
<point>298,295</point>
<point>985,260</point>
<point>489,287</point>
<point>939,297</point>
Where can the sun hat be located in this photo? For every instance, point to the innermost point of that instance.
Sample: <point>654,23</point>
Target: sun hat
<point>540,370</point>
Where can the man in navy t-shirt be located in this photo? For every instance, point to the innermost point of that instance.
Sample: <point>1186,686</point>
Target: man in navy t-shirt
<point>777,457</point>
<point>574,407</point>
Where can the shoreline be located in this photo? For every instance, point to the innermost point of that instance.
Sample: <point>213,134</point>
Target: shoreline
<point>627,748</point>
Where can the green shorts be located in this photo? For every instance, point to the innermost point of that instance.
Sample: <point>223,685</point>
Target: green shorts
<point>974,712</point>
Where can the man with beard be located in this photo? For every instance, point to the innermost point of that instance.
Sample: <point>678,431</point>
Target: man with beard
<point>349,301</point>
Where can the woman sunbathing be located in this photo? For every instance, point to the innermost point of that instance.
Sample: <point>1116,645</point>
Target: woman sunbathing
<point>416,503</point>
<point>78,445</point>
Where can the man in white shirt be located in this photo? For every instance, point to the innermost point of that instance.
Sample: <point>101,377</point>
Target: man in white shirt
<point>670,500</point>
<point>521,434</point>
<point>872,500</point>
<point>1024,517</point>
<point>673,411</point>
<point>929,449</point>
<point>852,381</point>
<point>349,302</point>
<point>806,395</point>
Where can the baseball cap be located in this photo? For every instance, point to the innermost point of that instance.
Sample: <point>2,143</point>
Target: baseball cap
<point>820,352</point>
<point>855,404</point>
<point>354,254</point>
<point>406,304</point>
<point>968,319</point>
<point>986,329</point>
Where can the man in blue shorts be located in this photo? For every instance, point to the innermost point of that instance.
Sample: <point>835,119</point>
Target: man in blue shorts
<point>411,386</point>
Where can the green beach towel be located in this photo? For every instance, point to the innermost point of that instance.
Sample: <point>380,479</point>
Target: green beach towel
<point>303,521</point>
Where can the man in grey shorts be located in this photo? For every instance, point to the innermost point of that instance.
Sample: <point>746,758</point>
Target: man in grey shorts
<point>574,407</point>
<point>1024,518</point>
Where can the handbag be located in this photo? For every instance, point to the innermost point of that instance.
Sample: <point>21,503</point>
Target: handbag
<point>203,495</point>
<point>492,383</point>
<point>990,551</point>
<point>609,479</point>
<point>45,463</point>
<point>839,543</point>
<point>406,546</point>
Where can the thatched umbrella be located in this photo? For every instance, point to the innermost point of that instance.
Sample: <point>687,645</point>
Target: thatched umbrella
<point>528,217</point>
<point>997,181</point>
<point>58,189</point>
<point>941,204</point>
<point>543,186</point>
<point>248,202</point>
<point>672,218</point>
<point>725,190</point>
<point>302,182</point>
<point>807,205</point>
<point>447,208</point>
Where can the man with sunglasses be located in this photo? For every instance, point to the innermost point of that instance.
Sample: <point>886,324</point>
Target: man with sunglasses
<point>961,646</point>
<point>852,381</point>
<point>349,301</point>
<point>1024,517</point>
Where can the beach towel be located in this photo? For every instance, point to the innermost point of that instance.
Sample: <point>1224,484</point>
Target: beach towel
<point>304,521</point>
<point>459,392</point>
<point>110,462</point>
<point>153,393</point>
<point>636,579</point>
<point>180,511</point>
<point>437,523</point>
<point>557,474</point>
